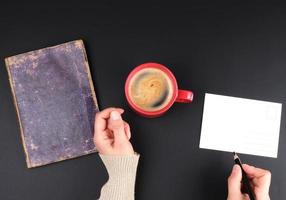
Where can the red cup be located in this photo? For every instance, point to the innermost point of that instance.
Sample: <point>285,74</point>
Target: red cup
<point>181,96</point>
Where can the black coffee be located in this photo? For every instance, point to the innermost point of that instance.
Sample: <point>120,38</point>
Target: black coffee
<point>150,89</point>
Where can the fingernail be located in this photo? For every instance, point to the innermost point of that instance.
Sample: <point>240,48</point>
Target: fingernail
<point>235,169</point>
<point>114,115</point>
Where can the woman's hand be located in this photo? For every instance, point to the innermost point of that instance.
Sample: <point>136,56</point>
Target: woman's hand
<point>260,180</point>
<point>112,133</point>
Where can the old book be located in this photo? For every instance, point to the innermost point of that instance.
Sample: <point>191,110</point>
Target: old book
<point>55,102</point>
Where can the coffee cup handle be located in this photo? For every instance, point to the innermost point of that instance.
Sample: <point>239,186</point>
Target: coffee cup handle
<point>185,96</point>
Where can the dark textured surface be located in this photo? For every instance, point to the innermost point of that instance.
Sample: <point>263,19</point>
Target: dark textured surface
<point>227,48</point>
<point>55,102</point>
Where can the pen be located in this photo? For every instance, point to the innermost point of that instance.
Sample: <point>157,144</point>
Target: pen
<point>245,181</point>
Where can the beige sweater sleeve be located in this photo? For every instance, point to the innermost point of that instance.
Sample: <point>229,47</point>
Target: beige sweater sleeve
<point>122,175</point>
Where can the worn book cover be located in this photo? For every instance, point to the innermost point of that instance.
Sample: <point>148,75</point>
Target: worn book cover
<point>55,102</point>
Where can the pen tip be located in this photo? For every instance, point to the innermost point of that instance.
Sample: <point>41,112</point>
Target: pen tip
<point>235,156</point>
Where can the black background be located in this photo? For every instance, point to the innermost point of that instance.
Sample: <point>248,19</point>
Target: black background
<point>233,49</point>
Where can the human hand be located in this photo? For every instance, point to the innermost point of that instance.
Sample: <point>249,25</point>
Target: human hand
<point>260,180</point>
<point>112,133</point>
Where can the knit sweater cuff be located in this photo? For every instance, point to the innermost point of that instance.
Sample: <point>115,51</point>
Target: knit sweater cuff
<point>122,174</point>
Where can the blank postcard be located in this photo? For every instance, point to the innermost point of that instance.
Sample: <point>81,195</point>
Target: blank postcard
<point>240,125</point>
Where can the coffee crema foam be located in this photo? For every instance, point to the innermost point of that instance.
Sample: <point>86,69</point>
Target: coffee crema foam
<point>150,89</point>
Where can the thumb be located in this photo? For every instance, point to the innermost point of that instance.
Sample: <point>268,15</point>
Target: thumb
<point>234,181</point>
<point>116,125</point>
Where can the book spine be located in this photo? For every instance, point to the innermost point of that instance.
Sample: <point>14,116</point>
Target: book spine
<point>17,110</point>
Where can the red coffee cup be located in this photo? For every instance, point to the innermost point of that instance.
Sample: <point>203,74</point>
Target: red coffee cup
<point>181,96</point>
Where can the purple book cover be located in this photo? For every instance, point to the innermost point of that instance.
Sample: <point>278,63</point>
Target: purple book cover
<point>55,102</point>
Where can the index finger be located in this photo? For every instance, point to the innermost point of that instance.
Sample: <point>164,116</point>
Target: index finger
<point>254,172</point>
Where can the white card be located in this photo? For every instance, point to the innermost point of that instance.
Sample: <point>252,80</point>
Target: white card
<point>240,125</point>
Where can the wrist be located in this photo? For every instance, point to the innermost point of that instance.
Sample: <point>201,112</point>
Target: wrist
<point>120,166</point>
